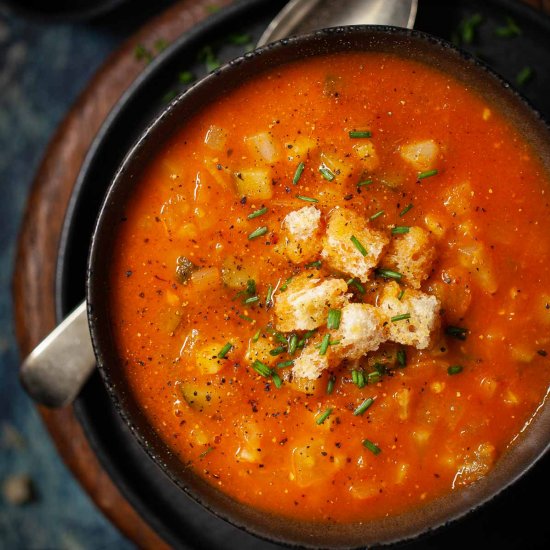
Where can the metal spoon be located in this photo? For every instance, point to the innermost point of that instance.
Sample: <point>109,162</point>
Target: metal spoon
<point>302,16</point>
<point>56,370</point>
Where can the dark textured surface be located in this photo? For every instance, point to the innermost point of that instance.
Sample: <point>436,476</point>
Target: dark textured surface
<point>42,68</point>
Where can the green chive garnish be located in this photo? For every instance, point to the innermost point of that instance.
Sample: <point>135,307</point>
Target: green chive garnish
<point>364,183</point>
<point>292,344</point>
<point>330,384</point>
<point>401,358</point>
<point>269,295</point>
<point>204,453</point>
<point>360,134</point>
<point>324,344</point>
<point>459,333</point>
<point>246,318</point>
<point>360,410</point>
<point>508,31</point>
<point>455,369</point>
<point>323,417</point>
<point>401,294</point>
<point>373,377</point>
<point>388,274</point>
<point>376,215</point>
<point>400,230</point>
<point>427,174</point>
<point>316,264</point>
<point>468,27</point>
<point>225,350</point>
<point>257,233</point>
<point>401,317</point>
<point>374,449</point>
<point>256,336</point>
<point>405,210</point>
<point>306,199</point>
<point>277,351</point>
<point>358,245</point>
<point>333,320</point>
<point>284,364</point>
<point>257,213</point>
<point>186,77</point>
<point>360,288</point>
<point>252,299</point>
<point>326,173</point>
<point>284,286</point>
<point>298,174</point>
<point>524,76</point>
<point>276,380</point>
<point>239,39</point>
<point>358,378</point>
<point>261,368</point>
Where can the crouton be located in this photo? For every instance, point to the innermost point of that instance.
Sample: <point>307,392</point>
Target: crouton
<point>299,238</point>
<point>345,231</point>
<point>361,330</point>
<point>310,363</point>
<point>421,155</point>
<point>305,303</point>
<point>423,309</point>
<point>411,254</point>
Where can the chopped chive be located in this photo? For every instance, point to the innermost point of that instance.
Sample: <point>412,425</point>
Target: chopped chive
<point>323,417</point>
<point>455,369</point>
<point>252,299</point>
<point>225,350</point>
<point>141,53</point>
<point>161,44</point>
<point>204,453</point>
<point>459,333</point>
<point>284,364</point>
<point>360,379</point>
<point>256,336</point>
<point>284,286</point>
<point>298,174</point>
<point>251,287</point>
<point>401,358</point>
<point>276,380</point>
<point>326,173</point>
<point>306,199</point>
<point>306,337</point>
<point>354,376</point>
<point>364,183</point>
<point>333,319</point>
<point>316,264</point>
<point>246,318</point>
<point>269,295</point>
<point>427,174</point>
<point>186,77</point>
<point>324,344</point>
<point>380,368</point>
<point>401,294</point>
<point>402,317</point>
<point>511,29</point>
<point>277,351</point>
<point>468,27</point>
<point>360,288</point>
<point>388,274</point>
<point>261,368</point>
<point>524,76</point>
<point>330,384</point>
<point>360,134</point>
<point>292,344</point>
<point>374,449</point>
<point>373,377</point>
<point>239,39</point>
<point>257,213</point>
<point>360,410</point>
<point>400,230</point>
<point>405,210</point>
<point>280,338</point>
<point>358,245</point>
<point>376,215</point>
<point>257,232</point>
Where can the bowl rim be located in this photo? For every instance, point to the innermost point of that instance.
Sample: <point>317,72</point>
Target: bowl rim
<point>441,48</point>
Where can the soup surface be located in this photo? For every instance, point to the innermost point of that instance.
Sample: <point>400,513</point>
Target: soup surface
<point>330,288</point>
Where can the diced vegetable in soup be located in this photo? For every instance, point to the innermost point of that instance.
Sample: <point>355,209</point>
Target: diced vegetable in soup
<point>331,288</point>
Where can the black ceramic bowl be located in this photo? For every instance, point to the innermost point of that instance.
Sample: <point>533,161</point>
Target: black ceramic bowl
<point>531,444</point>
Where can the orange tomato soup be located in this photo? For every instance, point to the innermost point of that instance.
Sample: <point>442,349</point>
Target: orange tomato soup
<point>331,289</point>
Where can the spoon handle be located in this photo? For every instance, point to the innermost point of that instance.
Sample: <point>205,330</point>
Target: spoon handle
<point>55,371</point>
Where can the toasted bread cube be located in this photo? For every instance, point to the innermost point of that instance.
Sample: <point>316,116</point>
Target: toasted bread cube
<point>411,254</point>
<point>300,234</point>
<point>340,251</point>
<point>310,363</point>
<point>361,330</point>
<point>423,310</point>
<point>305,303</point>
<point>421,155</point>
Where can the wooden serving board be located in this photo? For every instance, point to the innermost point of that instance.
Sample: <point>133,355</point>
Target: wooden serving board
<point>34,278</point>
